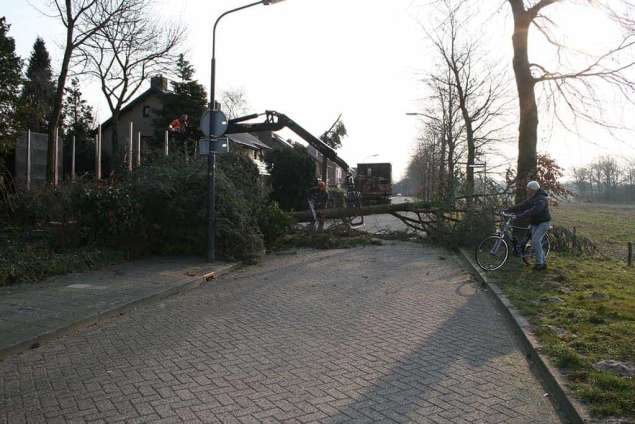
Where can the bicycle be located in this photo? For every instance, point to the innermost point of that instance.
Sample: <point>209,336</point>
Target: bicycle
<point>319,200</point>
<point>353,200</point>
<point>492,253</point>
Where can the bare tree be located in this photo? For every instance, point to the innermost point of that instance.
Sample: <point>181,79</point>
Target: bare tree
<point>479,87</point>
<point>434,164</point>
<point>334,135</point>
<point>123,54</point>
<point>82,20</point>
<point>582,180</point>
<point>575,90</point>
<point>606,179</point>
<point>235,102</point>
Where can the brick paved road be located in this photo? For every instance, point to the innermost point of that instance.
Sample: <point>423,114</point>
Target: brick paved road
<point>379,334</point>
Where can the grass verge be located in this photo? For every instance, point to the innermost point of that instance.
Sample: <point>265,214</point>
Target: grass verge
<point>583,312</point>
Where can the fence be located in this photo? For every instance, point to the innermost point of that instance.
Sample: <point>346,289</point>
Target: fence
<point>31,159</point>
<point>32,149</point>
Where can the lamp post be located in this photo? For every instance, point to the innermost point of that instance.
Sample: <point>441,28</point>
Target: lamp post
<point>211,156</point>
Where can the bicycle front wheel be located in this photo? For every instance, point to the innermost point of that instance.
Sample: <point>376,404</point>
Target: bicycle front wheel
<point>492,253</point>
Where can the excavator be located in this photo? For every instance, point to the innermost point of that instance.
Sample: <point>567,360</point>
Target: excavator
<point>276,121</point>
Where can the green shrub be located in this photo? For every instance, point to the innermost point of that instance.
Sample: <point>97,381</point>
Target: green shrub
<point>273,222</point>
<point>293,174</point>
<point>337,198</point>
<point>161,208</point>
<point>474,226</point>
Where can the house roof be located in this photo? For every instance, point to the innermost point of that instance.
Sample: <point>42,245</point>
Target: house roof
<point>281,140</point>
<point>152,91</point>
<point>248,140</point>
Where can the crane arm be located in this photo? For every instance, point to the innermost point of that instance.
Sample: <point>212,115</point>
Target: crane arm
<point>276,121</point>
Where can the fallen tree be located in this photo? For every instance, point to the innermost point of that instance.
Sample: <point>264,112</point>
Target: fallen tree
<point>340,213</point>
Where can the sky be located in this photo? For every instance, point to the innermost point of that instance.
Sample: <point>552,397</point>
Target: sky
<point>365,59</point>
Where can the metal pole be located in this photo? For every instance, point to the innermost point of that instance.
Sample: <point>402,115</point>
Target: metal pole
<point>211,156</point>
<point>630,253</point>
<point>139,148</point>
<point>98,154</point>
<point>28,160</point>
<point>130,136</point>
<point>73,162</point>
<point>211,159</point>
<point>211,205</point>
<point>56,161</point>
<point>167,144</point>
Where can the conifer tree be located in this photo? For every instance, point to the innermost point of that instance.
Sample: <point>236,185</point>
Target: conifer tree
<point>78,121</point>
<point>188,97</point>
<point>10,73</point>
<point>38,91</point>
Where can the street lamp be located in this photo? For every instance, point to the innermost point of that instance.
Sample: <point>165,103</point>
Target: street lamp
<point>211,156</point>
<point>417,114</point>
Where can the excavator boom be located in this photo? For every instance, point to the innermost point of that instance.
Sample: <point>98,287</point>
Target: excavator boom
<point>276,121</point>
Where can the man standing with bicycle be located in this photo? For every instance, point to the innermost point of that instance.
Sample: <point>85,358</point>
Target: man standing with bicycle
<point>536,209</point>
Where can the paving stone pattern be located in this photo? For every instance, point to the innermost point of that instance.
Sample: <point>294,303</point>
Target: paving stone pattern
<point>28,311</point>
<point>379,334</point>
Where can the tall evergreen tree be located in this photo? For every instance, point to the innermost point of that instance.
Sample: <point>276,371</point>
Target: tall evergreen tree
<point>78,114</point>
<point>187,97</point>
<point>10,75</point>
<point>78,121</point>
<point>38,91</point>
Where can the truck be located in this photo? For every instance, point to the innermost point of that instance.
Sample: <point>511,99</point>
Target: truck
<point>374,182</point>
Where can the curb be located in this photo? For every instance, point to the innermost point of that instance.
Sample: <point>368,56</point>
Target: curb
<point>37,341</point>
<point>553,382</point>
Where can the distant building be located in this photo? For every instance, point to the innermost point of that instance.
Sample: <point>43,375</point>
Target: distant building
<point>144,109</point>
<point>142,112</point>
<point>336,177</point>
<point>273,140</point>
<point>252,148</point>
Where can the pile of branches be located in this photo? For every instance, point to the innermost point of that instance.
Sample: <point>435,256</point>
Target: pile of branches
<point>565,240</point>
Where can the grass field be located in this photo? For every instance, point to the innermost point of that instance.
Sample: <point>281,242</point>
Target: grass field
<point>583,308</point>
<point>609,226</point>
<point>583,312</point>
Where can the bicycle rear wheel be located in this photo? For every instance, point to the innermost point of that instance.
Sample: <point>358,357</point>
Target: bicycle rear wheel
<point>528,254</point>
<point>353,201</point>
<point>492,253</point>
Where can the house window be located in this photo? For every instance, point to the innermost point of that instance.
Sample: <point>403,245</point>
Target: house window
<point>146,111</point>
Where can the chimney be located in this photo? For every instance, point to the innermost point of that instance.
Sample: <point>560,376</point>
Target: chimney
<point>159,83</point>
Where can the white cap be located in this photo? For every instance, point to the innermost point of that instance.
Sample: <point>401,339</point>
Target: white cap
<point>533,185</point>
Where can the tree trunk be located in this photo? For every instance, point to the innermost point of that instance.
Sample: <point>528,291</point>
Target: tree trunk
<point>441,179</point>
<point>528,126</point>
<point>59,97</point>
<point>115,157</point>
<point>338,213</point>
<point>469,136</point>
<point>471,158</point>
<point>450,182</point>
